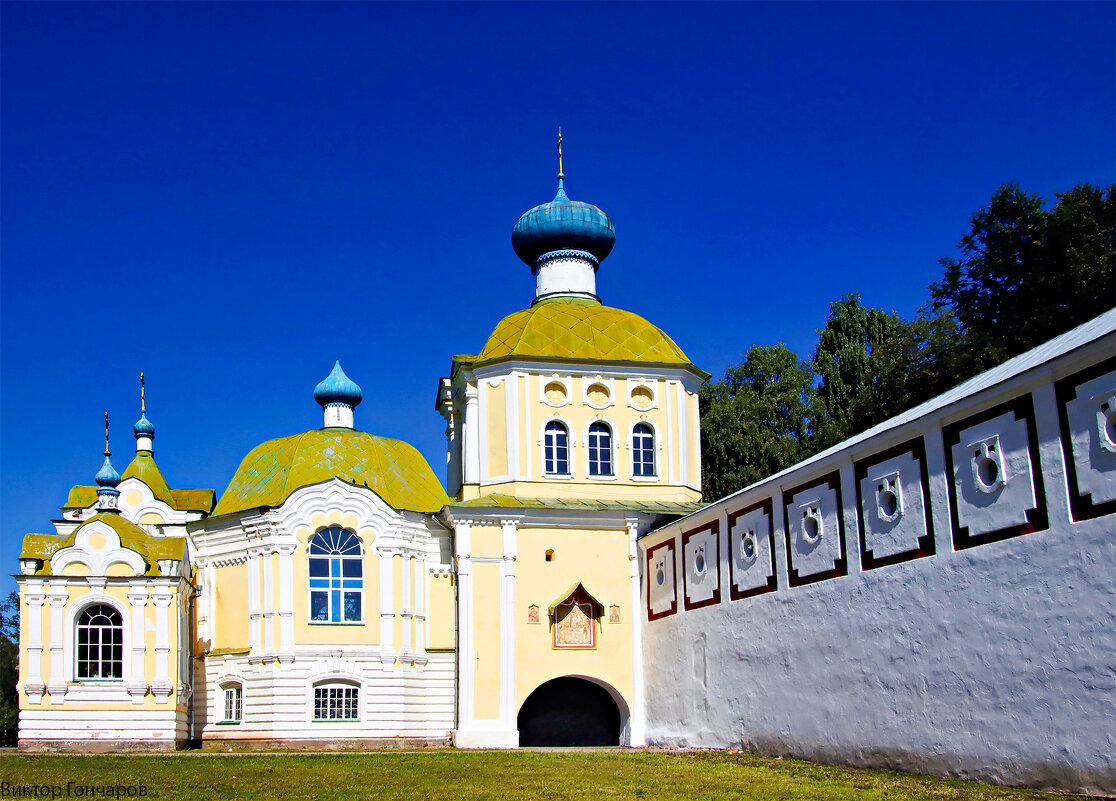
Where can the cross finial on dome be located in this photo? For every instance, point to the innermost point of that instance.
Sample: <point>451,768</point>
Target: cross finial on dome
<point>144,429</point>
<point>107,479</point>
<point>561,172</point>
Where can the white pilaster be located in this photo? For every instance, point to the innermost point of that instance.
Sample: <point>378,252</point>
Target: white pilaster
<point>56,686</point>
<point>637,724</point>
<point>421,604</point>
<point>162,685</point>
<point>137,681</point>
<point>405,570</point>
<point>33,686</point>
<point>683,426</point>
<point>267,607</point>
<point>286,602</point>
<point>472,435</point>
<point>466,664</point>
<point>254,603</point>
<point>387,610</point>
<point>507,626</point>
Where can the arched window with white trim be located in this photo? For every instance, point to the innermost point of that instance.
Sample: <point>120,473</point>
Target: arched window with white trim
<point>600,450</point>
<point>556,449</point>
<point>336,577</point>
<point>233,703</point>
<point>336,701</point>
<point>100,644</point>
<point>643,450</point>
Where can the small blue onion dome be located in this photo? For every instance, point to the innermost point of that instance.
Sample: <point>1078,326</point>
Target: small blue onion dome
<point>563,224</point>
<point>144,427</point>
<point>107,475</point>
<point>337,388</point>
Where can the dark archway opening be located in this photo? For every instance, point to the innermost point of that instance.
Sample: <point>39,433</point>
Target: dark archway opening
<point>569,712</point>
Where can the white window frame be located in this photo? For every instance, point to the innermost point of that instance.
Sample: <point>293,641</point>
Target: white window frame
<point>610,476</point>
<point>237,689</point>
<point>569,449</point>
<point>656,441</point>
<point>311,589</point>
<point>328,686</point>
<point>654,452</point>
<point>125,652</point>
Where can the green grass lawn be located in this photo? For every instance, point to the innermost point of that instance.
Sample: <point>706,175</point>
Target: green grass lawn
<point>464,775</point>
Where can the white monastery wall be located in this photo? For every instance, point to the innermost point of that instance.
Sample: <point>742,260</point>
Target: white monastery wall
<point>936,594</point>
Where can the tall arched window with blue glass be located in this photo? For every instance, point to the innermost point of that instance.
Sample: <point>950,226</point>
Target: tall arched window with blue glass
<point>556,449</point>
<point>336,577</point>
<point>643,450</point>
<point>600,450</point>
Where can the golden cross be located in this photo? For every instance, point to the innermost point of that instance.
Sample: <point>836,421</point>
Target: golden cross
<point>559,150</point>
<point>143,400</point>
<point>106,434</point>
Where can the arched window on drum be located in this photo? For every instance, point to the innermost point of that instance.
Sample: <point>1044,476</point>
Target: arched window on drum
<point>336,577</point>
<point>643,451</point>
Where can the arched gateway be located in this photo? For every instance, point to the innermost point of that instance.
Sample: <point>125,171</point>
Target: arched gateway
<point>569,712</point>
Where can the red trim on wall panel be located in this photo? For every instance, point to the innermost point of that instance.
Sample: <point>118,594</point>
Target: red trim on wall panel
<point>841,564</point>
<point>1065,390</point>
<point>1037,519</point>
<point>917,448</point>
<point>773,579</point>
<point>671,543</point>
<point>711,563</point>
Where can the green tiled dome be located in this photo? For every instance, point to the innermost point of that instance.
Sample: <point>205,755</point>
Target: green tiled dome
<point>392,469</point>
<point>576,328</point>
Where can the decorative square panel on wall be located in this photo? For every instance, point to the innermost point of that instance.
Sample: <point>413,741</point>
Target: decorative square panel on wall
<point>1087,418</point>
<point>893,498</point>
<point>995,484</point>
<point>815,541</point>
<point>751,551</point>
<point>661,597</point>
<point>701,566</point>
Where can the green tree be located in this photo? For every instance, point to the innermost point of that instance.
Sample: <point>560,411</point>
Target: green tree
<point>757,420</point>
<point>858,362</point>
<point>1027,274</point>
<point>9,669</point>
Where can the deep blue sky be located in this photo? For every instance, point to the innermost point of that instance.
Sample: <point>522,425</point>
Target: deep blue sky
<point>230,196</point>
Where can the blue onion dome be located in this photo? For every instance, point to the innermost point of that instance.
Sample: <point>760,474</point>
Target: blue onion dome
<point>107,475</point>
<point>563,224</point>
<point>337,388</point>
<point>144,427</point>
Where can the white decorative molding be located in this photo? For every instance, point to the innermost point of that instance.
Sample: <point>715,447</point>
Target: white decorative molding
<point>96,559</point>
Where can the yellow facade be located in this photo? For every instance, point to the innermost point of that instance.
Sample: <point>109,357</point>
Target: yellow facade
<point>596,559</point>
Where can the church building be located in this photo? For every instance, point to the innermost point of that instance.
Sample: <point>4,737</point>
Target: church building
<point>335,592</point>
<point>933,594</point>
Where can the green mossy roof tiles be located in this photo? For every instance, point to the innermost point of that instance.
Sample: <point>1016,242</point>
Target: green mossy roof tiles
<point>144,468</point>
<point>392,469</point>
<point>581,329</point>
<point>132,537</point>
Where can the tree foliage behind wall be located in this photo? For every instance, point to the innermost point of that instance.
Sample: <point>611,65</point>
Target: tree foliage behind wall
<point>9,669</point>
<point>1025,274</point>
